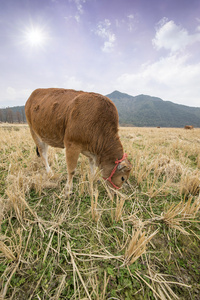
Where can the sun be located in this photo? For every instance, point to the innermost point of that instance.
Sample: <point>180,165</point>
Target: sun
<point>35,36</point>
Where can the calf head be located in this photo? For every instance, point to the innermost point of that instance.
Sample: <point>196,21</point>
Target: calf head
<point>120,173</point>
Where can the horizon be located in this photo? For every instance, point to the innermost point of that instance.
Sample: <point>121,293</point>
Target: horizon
<point>122,94</point>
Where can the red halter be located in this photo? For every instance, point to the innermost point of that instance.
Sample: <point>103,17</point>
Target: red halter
<point>117,162</point>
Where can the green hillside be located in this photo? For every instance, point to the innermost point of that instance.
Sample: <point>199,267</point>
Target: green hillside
<point>145,111</point>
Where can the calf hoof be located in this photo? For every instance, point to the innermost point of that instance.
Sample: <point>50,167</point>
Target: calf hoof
<point>49,171</point>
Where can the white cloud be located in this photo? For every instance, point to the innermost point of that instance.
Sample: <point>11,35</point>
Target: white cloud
<point>13,93</point>
<point>77,18</point>
<point>79,10</point>
<point>104,31</point>
<point>13,96</point>
<point>132,21</point>
<point>79,5</point>
<point>171,78</point>
<point>173,37</point>
<point>128,23</point>
<point>72,82</point>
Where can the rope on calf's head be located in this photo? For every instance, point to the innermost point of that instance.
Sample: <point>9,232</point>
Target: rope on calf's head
<point>117,162</point>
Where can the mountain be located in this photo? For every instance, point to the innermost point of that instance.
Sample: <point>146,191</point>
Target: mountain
<point>143,110</point>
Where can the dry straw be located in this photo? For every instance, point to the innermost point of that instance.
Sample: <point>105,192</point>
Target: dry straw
<point>76,270</point>
<point>137,245</point>
<point>119,207</point>
<point>190,183</point>
<point>159,285</point>
<point>94,194</point>
<point>181,212</point>
<point>166,162</point>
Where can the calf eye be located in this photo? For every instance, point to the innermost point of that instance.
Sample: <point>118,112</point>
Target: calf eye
<point>122,179</point>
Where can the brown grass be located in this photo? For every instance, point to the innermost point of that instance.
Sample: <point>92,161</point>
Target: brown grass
<point>98,244</point>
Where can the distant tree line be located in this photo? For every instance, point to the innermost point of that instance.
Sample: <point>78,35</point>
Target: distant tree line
<point>12,115</point>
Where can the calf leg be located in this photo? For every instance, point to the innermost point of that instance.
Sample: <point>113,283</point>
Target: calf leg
<point>72,154</point>
<point>92,166</point>
<point>41,149</point>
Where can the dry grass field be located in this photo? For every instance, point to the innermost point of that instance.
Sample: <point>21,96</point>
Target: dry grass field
<point>141,243</point>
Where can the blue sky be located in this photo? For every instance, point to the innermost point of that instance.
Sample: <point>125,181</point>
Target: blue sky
<point>134,46</point>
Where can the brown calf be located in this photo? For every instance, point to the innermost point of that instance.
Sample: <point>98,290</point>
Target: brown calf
<point>80,122</point>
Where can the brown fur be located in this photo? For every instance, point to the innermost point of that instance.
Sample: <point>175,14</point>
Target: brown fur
<point>80,122</point>
<point>188,127</point>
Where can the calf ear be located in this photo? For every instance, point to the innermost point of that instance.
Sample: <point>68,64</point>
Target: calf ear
<point>124,165</point>
<point>121,166</point>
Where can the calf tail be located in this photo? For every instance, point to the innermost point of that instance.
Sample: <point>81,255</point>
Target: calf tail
<point>37,151</point>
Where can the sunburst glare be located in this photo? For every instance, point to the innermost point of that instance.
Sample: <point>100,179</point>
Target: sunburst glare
<point>35,36</point>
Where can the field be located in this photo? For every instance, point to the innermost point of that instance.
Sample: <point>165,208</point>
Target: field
<point>141,243</point>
